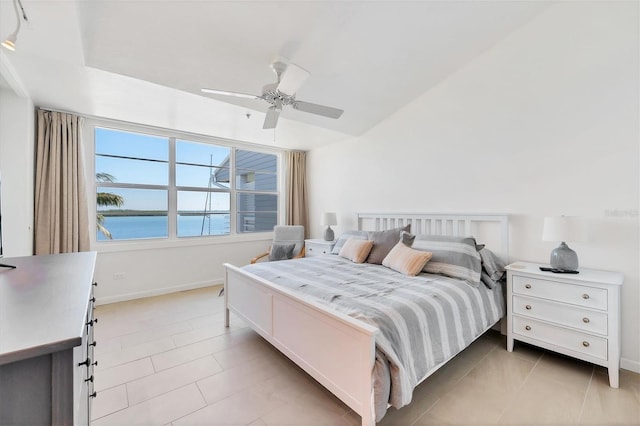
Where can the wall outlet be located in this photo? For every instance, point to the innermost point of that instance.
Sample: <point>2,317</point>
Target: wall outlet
<point>118,276</point>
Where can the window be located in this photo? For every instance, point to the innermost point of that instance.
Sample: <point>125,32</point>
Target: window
<point>202,184</point>
<point>165,187</point>
<point>256,185</point>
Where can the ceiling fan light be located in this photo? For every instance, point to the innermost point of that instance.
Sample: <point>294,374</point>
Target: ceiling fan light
<point>10,42</point>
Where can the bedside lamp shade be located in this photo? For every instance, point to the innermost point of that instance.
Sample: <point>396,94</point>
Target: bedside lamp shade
<point>329,218</point>
<point>563,229</point>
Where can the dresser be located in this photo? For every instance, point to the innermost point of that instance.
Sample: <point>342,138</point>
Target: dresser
<point>573,314</point>
<point>46,339</point>
<point>317,247</point>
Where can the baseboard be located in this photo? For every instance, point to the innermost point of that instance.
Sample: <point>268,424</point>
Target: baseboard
<point>628,364</point>
<point>156,292</point>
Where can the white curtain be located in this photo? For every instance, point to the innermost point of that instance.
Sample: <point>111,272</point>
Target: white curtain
<point>61,209</point>
<point>297,189</point>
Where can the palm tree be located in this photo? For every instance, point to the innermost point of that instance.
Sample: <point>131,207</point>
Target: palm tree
<point>106,199</point>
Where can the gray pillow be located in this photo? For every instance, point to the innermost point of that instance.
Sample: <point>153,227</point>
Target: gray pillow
<point>486,279</point>
<point>454,257</point>
<point>492,265</point>
<point>407,238</point>
<point>383,242</point>
<point>281,251</point>
<point>360,235</point>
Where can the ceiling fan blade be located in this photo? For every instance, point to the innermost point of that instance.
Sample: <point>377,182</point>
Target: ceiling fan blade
<point>271,119</point>
<point>317,109</point>
<point>292,79</point>
<point>224,92</point>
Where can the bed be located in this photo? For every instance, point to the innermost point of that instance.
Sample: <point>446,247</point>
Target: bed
<point>307,319</point>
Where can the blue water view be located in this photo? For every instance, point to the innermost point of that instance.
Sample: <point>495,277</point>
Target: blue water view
<point>135,227</point>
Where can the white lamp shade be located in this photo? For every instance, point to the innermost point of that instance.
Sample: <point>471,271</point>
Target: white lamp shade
<point>329,219</point>
<point>564,228</point>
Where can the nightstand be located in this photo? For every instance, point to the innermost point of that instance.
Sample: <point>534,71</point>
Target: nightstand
<point>316,247</point>
<point>573,314</point>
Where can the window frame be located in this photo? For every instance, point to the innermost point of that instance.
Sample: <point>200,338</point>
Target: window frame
<point>172,240</point>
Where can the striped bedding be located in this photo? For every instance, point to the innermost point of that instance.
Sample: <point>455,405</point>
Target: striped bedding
<point>423,320</point>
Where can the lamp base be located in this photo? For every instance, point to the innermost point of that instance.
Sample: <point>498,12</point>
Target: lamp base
<point>563,258</point>
<point>328,234</point>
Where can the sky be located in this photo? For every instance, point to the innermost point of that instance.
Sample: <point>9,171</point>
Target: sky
<point>135,145</point>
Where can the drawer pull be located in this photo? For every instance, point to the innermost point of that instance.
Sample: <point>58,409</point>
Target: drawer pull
<point>585,344</point>
<point>528,307</point>
<point>85,362</point>
<point>95,363</point>
<point>585,296</point>
<point>95,284</point>
<point>585,320</point>
<point>90,379</point>
<point>94,344</point>
<point>527,327</point>
<point>527,286</point>
<point>93,321</point>
<point>93,395</point>
<point>93,299</point>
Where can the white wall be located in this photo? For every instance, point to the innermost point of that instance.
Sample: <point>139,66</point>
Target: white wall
<point>131,274</point>
<point>16,167</point>
<point>544,123</point>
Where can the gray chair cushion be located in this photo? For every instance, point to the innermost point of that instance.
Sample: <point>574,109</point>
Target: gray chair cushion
<point>289,234</point>
<point>281,251</point>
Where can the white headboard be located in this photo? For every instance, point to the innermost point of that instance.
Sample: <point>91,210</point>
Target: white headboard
<point>489,229</point>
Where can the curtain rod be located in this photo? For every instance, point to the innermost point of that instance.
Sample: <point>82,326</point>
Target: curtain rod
<point>166,129</point>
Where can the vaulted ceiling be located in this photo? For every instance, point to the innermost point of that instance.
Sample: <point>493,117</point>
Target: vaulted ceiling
<point>368,58</point>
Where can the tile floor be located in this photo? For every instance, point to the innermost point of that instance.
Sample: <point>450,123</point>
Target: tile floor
<point>168,360</point>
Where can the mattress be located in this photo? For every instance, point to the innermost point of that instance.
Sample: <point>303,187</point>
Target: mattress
<point>423,320</point>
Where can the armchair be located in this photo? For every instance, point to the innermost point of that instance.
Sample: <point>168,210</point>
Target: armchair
<point>286,235</point>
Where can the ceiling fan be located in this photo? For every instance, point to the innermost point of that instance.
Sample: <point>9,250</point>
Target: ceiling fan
<point>283,93</point>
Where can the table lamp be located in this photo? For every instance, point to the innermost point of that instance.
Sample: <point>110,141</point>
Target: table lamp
<point>329,219</point>
<point>563,229</point>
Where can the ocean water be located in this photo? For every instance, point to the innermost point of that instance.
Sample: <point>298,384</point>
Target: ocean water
<point>135,227</point>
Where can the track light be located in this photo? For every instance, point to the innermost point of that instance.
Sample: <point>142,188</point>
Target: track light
<point>10,42</point>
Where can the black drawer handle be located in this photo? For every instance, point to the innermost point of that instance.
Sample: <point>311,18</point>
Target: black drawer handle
<point>528,307</point>
<point>85,362</point>
<point>585,296</point>
<point>527,327</point>
<point>95,284</point>
<point>90,379</point>
<point>527,286</point>
<point>95,363</point>
<point>585,320</point>
<point>93,321</point>
<point>93,299</point>
<point>93,344</point>
<point>93,395</point>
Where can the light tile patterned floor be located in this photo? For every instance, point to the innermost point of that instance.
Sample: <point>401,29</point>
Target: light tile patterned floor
<point>169,360</point>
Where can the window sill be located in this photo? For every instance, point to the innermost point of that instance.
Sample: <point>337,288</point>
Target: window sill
<point>155,244</point>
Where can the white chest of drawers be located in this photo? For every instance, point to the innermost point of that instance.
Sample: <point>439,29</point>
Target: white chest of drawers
<point>573,314</point>
<point>317,247</point>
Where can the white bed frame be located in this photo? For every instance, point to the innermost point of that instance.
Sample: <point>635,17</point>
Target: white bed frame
<point>312,335</point>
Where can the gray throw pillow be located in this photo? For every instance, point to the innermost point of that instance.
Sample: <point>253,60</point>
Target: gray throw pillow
<point>407,238</point>
<point>383,242</point>
<point>281,251</point>
<point>492,265</point>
